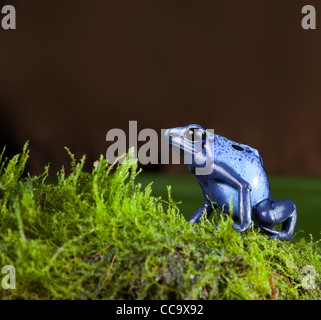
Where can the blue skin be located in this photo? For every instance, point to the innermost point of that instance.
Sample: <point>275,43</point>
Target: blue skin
<point>234,181</point>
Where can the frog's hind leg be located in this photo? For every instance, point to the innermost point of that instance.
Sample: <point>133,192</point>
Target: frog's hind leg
<point>272,213</point>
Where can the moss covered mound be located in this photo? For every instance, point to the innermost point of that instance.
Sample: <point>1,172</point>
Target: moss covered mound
<point>99,235</point>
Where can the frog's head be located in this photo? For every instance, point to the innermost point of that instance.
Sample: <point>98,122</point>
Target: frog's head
<point>194,143</point>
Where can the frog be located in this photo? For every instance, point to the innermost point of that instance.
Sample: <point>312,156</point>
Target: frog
<point>235,182</point>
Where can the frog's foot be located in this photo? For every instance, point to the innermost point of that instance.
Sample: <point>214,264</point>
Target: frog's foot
<point>271,213</point>
<point>205,209</point>
<point>276,234</point>
<point>239,229</point>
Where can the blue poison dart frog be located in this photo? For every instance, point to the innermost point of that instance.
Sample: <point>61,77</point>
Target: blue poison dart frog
<point>234,181</point>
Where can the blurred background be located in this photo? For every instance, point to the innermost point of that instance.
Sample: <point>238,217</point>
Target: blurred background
<point>72,70</point>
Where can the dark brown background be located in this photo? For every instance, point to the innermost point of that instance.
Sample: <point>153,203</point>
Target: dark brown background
<point>75,69</point>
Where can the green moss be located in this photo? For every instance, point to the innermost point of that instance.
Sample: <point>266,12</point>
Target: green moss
<point>100,235</point>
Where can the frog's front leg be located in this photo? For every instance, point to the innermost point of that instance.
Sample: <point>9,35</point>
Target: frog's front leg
<point>225,174</point>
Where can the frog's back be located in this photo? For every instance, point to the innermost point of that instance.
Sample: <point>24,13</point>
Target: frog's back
<point>247,162</point>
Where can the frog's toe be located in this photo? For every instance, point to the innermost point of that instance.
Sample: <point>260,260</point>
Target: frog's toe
<point>236,227</point>
<point>282,235</point>
<point>239,228</point>
<point>277,234</point>
<point>266,229</point>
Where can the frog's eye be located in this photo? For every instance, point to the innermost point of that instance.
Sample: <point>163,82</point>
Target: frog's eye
<point>236,147</point>
<point>194,134</point>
